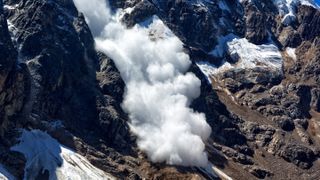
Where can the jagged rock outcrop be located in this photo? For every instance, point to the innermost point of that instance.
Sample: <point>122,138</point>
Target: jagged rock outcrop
<point>13,78</point>
<point>8,54</point>
<point>57,46</point>
<point>196,24</point>
<point>299,155</point>
<point>48,67</point>
<point>58,50</point>
<point>112,119</point>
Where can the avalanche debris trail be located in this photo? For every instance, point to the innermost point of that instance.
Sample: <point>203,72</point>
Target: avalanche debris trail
<point>158,88</point>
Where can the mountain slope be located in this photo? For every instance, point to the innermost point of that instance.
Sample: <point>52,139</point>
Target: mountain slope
<point>254,64</point>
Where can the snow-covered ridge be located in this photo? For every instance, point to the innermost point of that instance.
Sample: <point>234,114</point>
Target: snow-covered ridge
<point>287,8</point>
<point>44,154</point>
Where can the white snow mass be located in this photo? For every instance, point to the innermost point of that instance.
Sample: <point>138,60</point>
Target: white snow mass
<point>246,55</point>
<point>158,89</point>
<point>43,153</point>
<point>291,52</point>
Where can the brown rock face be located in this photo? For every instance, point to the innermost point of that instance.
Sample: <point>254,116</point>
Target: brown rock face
<point>309,20</point>
<point>257,30</point>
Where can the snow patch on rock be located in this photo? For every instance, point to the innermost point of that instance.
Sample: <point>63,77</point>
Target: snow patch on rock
<point>5,174</point>
<point>245,55</point>
<point>291,53</point>
<point>45,155</point>
<point>249,55</point>
<point>287,8</point>
<point>10,7</point>
<point>13,32</point>
<point>210,70</point>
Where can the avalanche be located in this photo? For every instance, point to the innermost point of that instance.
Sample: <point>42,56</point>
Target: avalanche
<point>159,90</point>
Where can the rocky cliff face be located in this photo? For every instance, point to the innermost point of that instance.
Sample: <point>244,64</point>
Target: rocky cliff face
<point>258,62</point>
<point>55,44</point>
<point>48,75</point>
<point>12,78</point>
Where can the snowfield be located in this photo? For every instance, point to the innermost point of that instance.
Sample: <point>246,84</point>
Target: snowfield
<point>249,55</point>
<point>245,55</point>
<point>44,154</point>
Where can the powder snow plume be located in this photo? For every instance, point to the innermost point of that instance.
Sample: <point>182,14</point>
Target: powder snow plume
<point>158,89</point>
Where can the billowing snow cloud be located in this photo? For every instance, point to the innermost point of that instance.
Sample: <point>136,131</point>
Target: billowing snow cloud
<point>158,89</point>
<point>96,13</point>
